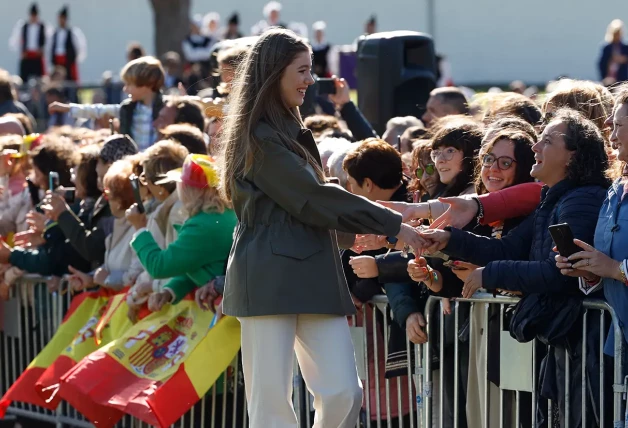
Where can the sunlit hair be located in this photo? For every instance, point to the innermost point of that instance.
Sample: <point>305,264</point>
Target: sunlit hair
<point>523,156</point>
<point>207,199</point>
<point>319,123</point>
<point>256,95</point>
<point>616,26</point>
<point>117,184</point>
<point>162,157</point>
<point>511,104</point>
<point>145,71</point>
<point>593,101</point>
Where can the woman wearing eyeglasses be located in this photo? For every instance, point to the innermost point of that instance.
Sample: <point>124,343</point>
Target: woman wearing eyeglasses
<point>425,181</point>
<point>505,161</point>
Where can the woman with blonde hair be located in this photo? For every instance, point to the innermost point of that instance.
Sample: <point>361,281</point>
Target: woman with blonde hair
<point>199,253</point>
<point>284,279</point>
<point>613,63</point>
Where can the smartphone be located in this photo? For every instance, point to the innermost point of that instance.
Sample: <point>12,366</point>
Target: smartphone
<point>563,238</point>
<point>398,143</point>
<point>53,181</point>
<point>326,86</point>
<point>111,127</point>
<point>69,194</point>
<point>334,180</point>
<point>135,183</point>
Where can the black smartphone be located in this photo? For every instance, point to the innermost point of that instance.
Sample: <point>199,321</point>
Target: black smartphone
<point>69,194</point>
<point>563,238</point>
<point>135,183</point>
<point>334,180</point>
<point>326,86</point>
<point>111,127</point>
<point>53,181</point>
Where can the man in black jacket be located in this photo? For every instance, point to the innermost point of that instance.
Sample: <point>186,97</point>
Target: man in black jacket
<point>68,47</point>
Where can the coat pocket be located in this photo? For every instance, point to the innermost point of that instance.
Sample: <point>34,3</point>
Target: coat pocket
<point>295,241</point>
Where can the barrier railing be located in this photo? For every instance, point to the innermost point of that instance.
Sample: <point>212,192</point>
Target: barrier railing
<point>427,393</point>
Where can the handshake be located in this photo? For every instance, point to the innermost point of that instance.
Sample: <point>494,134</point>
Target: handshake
<point>417,240</point>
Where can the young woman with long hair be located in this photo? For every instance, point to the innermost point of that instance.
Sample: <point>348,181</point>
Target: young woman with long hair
<point>284,277</point>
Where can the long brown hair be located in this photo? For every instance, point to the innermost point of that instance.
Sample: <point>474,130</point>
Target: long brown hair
<point>256,95</point>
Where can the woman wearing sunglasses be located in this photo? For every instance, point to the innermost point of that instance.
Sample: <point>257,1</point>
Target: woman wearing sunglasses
<point>504,161</point>
<point>425,181</point>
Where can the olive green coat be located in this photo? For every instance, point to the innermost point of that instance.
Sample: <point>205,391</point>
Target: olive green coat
<point>285,257</point>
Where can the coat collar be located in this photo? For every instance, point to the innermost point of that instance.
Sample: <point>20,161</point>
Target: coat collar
<point>553,194</point>
<point>305,138</point>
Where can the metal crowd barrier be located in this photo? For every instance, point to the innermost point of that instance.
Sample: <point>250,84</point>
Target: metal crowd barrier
<point>416,399</point>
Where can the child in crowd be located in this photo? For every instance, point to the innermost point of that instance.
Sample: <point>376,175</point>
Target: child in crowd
<point>143,79</point>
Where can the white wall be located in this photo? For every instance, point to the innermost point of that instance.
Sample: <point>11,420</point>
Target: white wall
<point>484,40</point>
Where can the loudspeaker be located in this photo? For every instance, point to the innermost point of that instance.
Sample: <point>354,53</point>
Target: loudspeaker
<point>396,72</point>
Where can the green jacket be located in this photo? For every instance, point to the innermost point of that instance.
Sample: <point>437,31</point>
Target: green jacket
<point>198,255</point>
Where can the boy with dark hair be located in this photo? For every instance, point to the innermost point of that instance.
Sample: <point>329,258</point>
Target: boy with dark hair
<point>143,79</point>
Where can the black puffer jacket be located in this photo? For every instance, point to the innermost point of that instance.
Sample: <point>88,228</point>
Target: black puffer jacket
<point>523,260</point>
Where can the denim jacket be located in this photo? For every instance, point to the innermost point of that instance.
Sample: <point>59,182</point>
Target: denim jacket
<point>611,238</point>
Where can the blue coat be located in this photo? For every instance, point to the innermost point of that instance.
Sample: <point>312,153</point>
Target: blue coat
<point>611,236</point>
<point>523,260</point>
<point>605,58</point>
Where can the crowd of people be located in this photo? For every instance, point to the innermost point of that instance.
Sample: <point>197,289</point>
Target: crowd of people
<point>126,197</point>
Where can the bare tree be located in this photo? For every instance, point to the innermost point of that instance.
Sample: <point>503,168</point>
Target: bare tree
<point>172,24</point>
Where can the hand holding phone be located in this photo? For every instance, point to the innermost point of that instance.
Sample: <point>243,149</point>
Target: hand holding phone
<point>563,238</point>
<point>326,86</point>
<point>53,181</point>
<point>135,183</point>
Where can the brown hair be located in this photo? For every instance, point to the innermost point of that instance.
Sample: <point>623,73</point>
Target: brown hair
<point>582,96</point>
<point>145,71</point>
<point>320,123</point>
<point>256,96</point>
<point>117,184</point>
<point>511,104</point>
<point>56,154</point>
<point>233,56</point>
<point>86,171</point>
<point>162,157</point>
<point>188,136</point>
<point>454,98</point>
<point>375,159</point>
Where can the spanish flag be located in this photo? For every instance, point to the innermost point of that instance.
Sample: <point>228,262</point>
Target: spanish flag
<point>83,309</point>
<point>108,321</point>
<point>158,370</point>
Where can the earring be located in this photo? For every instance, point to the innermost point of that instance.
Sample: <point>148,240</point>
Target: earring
<point>161,193</point>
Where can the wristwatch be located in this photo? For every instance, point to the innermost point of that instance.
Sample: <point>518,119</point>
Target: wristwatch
<point>391,242</point>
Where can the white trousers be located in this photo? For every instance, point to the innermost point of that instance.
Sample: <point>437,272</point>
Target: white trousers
<point>325,353</point>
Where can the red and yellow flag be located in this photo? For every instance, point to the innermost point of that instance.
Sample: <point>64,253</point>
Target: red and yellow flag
<point>158,369</point>
<point>82,309</point>
<point>108,321</point>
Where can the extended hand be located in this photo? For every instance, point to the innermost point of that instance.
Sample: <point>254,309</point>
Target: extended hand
<point>460,212</point>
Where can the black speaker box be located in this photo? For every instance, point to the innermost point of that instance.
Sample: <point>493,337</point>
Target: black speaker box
<point>396,72</point>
